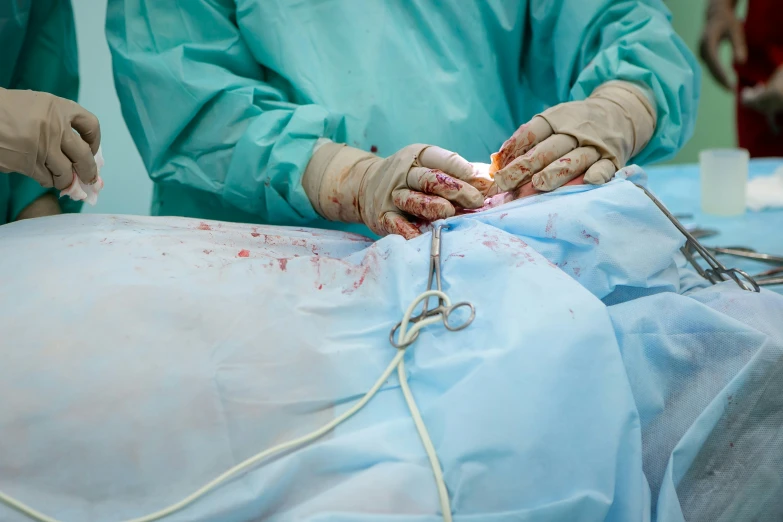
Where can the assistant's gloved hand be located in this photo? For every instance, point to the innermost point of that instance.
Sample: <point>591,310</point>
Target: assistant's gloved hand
<point>766,98</point>
<point>594,137</point>
<point>497,199</point>
<point>722,24</point>
<point>354,186</point>
<point>46,205</point>
<point>37,138</point>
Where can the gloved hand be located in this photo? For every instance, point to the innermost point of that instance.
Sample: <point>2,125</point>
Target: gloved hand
<point>423,181</point>
<point>594,137</point>
<point>722,24</point>
<point>37,138</point>
<point>501,198</point>
<point>46,205</point>
<point>766,98</point>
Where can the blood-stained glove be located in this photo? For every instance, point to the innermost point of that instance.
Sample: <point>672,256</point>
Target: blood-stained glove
<point>37,138</point>
<point>595,137</point>
<point>422,181</point>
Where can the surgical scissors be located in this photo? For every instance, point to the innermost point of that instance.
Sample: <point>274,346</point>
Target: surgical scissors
<point>444,308</point>
<point>716,273</point>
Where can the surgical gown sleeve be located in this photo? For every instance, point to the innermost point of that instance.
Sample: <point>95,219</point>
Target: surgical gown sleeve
<point>47,62</point>
<point>576,45</point>
<point>202,111</point>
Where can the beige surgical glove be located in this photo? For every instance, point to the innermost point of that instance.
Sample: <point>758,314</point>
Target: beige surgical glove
<point>595,137</point>
<point>37,138</point>
<point>419,181</point>
<point>45,205</point>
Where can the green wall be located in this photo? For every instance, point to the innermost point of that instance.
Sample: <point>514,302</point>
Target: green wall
<point>715,125</point>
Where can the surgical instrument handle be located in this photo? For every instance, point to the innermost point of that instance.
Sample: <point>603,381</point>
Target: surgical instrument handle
<point>717,271</point>
<point>748,253</point>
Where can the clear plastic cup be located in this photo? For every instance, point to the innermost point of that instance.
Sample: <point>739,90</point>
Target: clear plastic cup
<point>724,181</point>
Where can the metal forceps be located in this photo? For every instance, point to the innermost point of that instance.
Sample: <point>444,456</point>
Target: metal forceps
<point>443,308</point>
<point>748,253</point>
<point>716,273</point>
<point>773,276</point>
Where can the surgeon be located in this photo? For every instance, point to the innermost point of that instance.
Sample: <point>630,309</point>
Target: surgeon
<point>39,150</point>
<point>370,114</point>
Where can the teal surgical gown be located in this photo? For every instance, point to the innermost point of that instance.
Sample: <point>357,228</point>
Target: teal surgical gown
<point>37,52</point>
<point>225,99</point>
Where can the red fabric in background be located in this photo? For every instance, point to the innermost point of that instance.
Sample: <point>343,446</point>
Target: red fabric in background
<point>764,36</point>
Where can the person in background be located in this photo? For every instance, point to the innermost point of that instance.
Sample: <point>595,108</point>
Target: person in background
<point>757,50</point>
<point>295,113</point>
<point>39,150</point>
